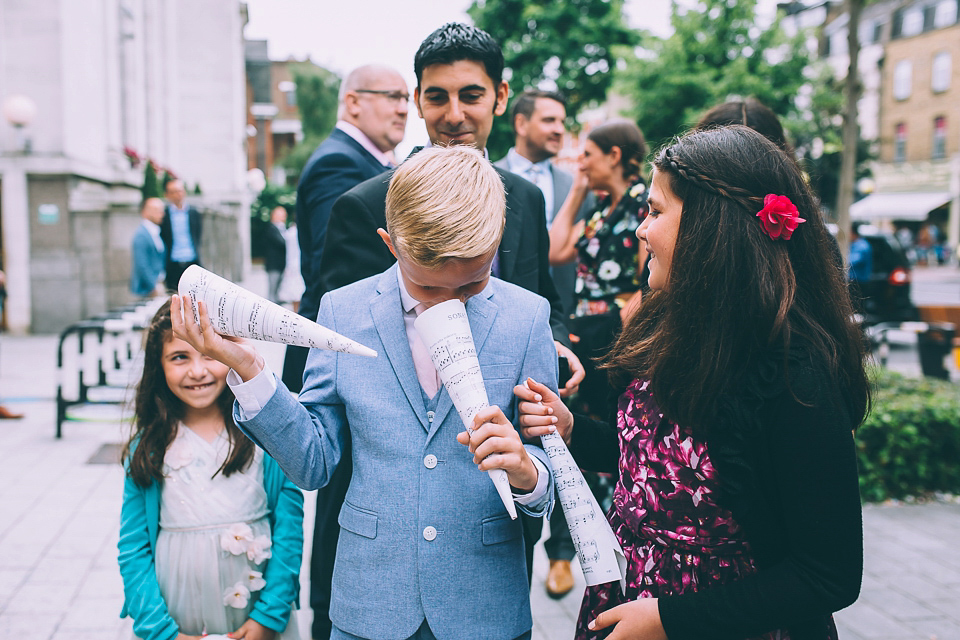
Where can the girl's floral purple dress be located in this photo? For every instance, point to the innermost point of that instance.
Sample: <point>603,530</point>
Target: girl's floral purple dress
<point>676,538</point>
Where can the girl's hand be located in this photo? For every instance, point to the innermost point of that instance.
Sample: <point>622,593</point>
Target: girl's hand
<point>183,636</point>
<point>253,630</point>
<point>233,352</point>
<point>495,444</point>
<point>541,411</point>
<point>637,620</point>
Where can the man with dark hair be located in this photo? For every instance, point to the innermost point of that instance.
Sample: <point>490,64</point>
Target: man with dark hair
<point>460,89</point>
<point>538,118</point>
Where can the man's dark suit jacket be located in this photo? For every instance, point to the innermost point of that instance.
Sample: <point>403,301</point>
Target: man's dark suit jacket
<point>339,164</point>
<point>274,249</point>
<point>353,251</point>
<point>196,232</point>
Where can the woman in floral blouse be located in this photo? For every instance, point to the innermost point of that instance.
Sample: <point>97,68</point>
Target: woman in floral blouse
<point>610,260</point>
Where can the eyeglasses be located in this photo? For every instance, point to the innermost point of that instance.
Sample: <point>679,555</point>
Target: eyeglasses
<point>395,97</point>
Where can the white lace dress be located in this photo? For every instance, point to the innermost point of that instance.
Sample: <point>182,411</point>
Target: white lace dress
<point>214,538</point>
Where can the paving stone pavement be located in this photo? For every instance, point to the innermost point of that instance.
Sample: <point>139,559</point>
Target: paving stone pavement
<point>59,517</point>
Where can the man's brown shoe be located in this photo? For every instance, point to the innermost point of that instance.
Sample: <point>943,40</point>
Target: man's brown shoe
<point>6,414</point>
<point>559,579</point>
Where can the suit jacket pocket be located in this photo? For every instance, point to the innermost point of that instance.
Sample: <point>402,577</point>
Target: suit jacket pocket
<point>496,371</point>
<point>358,521</point>
<point>500,529</point>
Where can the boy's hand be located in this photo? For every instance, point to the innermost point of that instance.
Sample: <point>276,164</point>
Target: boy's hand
<point>253,630</point>
<point>495,444</point>
<point>233,352</point>
<point>541,411</point>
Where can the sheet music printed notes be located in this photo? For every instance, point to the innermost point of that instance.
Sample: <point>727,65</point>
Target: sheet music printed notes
<point>601,556</point>
<point>236,312</point>
<point>445,332</point>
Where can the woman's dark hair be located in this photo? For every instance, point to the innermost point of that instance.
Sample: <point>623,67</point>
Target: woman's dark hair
<point>733,294</point>
<point>454,42</point>
<point>749,113</point>
<point>626,136</point>
<point>158,412</point>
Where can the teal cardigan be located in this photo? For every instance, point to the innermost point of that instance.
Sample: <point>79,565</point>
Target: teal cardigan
<point>140,523</point>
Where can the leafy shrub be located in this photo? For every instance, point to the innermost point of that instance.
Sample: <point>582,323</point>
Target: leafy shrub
<point>909,445</point>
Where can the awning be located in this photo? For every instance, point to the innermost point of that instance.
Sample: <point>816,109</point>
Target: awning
<point>898,206</point>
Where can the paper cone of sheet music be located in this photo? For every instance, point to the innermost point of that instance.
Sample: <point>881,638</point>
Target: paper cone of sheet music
<point>236,312</point>
<point>601,556</point>
<point>445,332</point>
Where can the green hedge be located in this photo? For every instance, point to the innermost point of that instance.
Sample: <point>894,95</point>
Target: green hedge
<point>909,445</point>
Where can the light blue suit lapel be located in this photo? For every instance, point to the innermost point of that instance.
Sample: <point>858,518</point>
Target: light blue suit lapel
<point>481,312</point>
<point>388,318</point>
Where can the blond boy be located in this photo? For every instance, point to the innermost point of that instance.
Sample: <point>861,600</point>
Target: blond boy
<point>426,547</point>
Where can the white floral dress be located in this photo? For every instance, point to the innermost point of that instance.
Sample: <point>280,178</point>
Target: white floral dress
<point>214,537</point>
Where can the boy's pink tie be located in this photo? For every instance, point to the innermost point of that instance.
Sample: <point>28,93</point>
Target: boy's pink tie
<point>426,372</point>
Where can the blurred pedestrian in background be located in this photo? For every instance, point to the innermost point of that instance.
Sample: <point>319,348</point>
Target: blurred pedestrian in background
<point>147,252</point>
<point>275,252</point>
<point>5,414</point>
<point>181,231</point>
<point>291,284</point>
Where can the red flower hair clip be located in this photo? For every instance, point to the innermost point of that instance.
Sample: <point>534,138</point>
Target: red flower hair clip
<point>779,217</point>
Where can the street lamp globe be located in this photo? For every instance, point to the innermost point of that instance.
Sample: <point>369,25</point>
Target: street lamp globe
<point>19,110</point>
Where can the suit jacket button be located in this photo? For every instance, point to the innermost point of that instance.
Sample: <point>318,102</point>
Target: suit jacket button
<point>429,533</point>
<point>430,461</point>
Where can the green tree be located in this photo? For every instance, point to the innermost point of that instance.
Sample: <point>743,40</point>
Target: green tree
<point>817,135</point>
<point>716,53</point>
<point>317,91</point>
<point>151,185</point>
<point>572,46</point>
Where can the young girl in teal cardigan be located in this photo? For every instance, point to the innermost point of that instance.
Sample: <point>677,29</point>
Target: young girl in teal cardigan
<point>211,531</point>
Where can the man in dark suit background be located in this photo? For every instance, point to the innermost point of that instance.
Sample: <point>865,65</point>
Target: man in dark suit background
<point>372,119</point>
<point>181,231</point>
<point>460,89</point>
<point>538,119</point>
<point>371,122</point>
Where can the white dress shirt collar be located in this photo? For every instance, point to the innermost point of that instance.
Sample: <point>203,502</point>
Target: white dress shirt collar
<point>354,132</point>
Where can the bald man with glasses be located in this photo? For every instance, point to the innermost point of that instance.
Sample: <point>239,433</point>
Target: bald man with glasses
<point>371,121</point>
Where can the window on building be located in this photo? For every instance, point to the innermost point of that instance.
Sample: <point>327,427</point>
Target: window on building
<point>940,73</point>
<point>902,79</point>
<point>877,32</point>
<point>896,28</point>
<point>928,13</point>
<point>946,14</point>
<point>939,138</point>
<point>900,143</point>
<point>289,91</point>
<point>912,22</point>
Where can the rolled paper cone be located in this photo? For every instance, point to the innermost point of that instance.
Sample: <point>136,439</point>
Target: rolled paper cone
<point>236,312</point>
<point>445,332</point>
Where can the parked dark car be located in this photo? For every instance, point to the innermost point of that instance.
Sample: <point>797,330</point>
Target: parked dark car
<point>886,296</point>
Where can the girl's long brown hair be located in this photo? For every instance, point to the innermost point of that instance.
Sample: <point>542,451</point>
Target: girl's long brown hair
<point>158,411</point>
<point>734,295</point>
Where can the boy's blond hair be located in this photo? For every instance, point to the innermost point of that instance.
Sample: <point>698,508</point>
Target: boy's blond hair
<point>445,203</point>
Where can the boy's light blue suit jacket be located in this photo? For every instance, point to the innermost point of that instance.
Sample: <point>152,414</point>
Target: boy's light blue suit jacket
<point>423,531</point>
